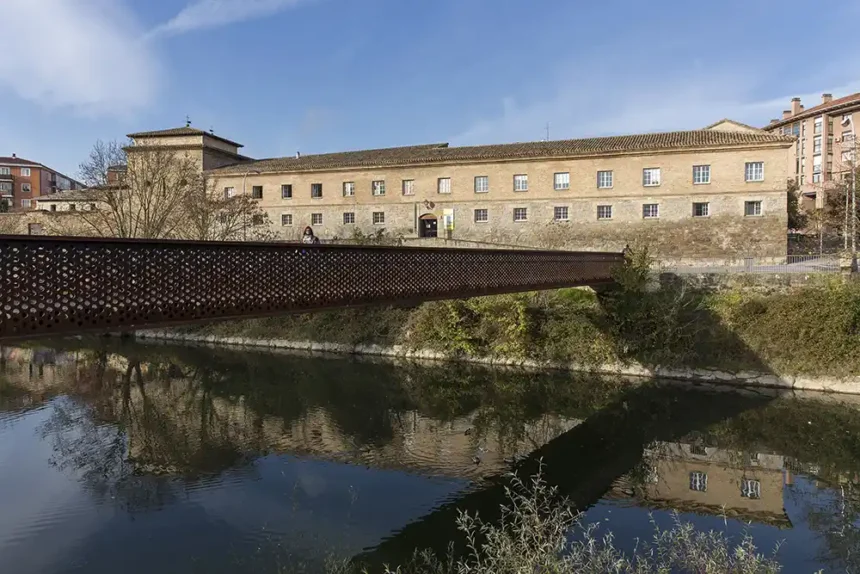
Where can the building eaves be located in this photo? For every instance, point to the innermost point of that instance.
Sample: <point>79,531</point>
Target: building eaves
<point>183,131</point>
<point>442,153</point>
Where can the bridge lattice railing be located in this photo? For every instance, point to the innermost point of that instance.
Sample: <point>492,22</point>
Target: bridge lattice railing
<point>53,286</point>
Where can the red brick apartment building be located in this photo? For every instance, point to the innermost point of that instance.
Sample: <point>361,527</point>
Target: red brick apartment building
<point>23,181</point>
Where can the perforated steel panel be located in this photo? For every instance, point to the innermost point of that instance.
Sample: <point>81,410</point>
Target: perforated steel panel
<point>69,285</point>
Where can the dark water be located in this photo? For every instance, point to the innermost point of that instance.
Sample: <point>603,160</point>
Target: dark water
<point>170,459</point>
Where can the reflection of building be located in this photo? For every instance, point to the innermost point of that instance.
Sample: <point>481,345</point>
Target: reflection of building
<point>692,478</point>
<point>23,181</point>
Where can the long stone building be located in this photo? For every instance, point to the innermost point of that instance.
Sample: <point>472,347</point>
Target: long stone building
<point>714,192</point>
<point>718,192</point>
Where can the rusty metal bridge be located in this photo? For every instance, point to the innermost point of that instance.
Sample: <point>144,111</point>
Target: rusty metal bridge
<point>69,285</point>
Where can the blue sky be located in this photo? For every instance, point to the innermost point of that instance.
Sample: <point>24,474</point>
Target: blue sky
<point>329,75</point>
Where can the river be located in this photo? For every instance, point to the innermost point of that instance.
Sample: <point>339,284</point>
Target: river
<point>157,458</point>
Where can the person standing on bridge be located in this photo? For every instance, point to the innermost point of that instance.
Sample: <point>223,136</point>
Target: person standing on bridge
<point>309,237</point>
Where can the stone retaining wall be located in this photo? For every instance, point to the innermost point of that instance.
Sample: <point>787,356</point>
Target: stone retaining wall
<point>747,379</point>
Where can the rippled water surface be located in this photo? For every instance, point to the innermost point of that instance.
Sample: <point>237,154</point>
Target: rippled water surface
<point>168,459</point>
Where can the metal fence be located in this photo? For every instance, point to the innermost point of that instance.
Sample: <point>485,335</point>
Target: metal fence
<point>51,285</point>
<point>791,264</point>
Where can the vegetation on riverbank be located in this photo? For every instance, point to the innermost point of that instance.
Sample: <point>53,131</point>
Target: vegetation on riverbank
<point>812,330</point>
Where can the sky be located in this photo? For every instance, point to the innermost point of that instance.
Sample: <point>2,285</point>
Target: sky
<point>316,76</point>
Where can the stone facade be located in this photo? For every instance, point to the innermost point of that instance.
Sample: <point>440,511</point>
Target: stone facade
<point>675,232</point>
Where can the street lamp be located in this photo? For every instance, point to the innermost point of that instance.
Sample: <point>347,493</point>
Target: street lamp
<point>848,120</point>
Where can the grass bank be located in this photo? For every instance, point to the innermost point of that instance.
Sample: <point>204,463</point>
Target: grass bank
<point>812,330</point>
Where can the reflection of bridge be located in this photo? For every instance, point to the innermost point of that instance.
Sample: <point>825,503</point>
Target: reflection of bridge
<point>51,285</point>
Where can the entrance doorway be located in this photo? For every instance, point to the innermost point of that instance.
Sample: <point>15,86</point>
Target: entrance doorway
<point>428,226</point>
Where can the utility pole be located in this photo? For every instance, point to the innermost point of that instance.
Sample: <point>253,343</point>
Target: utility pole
<point>547,131</point>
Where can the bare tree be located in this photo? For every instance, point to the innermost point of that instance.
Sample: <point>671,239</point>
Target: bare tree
<point>148,199</point>
<point>94,171</point>
<point>212,216</point>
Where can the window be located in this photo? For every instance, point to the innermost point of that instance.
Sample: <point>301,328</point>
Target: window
<point>348,188</point>
<point>816,144</point>
<point>651,176</point>
<point>35,229</point>
<point>816,177</point>
<point>701,174</point>
<point>701,209</point>
<point>26,188</point>
<point>750,488</point>
<point>229,192</point>
<point>408,187</point>
<point>561,213</point>
<point>521,183</point>
<point>257,192</point>
<point>754,171</point>
<point>699,481</point>
<point>604,179</point>
<point>650,211</point>
<point>316,190</point>
<point>604,212</point>
<point>816,129</point>
<point>5,171</point>
<point>846,136</point>
<point>26,203</point>
<point>561,181</point>
<point>5,186</point>
<point>25,172</point>
<point>53,207</point>
<point>752,208</point>
<point>378,187</point>
<point>443,185</point>
<point>521,214</point>
<point>481,216</point>
<point>378,217</point>
<point>286,191</point>
<point>258,219</point>
<point>348,217</point>
<point>316,219</point>
<point>482,184</point>
<point>286,219</point>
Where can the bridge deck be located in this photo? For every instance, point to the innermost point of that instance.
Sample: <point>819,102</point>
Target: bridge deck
<point>66,285</point>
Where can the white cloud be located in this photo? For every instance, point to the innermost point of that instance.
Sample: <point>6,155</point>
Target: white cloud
<point>213,13</point>
<point>611,100</point>
<point>84,54</point>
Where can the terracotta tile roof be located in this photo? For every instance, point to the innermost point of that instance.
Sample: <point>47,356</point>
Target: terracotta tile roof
<point>442,153</point>
<point>844,102</point>
<point>183,131</point>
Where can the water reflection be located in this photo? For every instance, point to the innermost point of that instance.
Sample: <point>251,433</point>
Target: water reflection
<point>257,461</point>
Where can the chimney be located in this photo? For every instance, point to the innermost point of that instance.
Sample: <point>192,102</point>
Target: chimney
<point>796,108</point>
<point>826,98</point>
<point>14,156</point>
<point>298,154</point>
<point>773,121</point>
<point>786,114</point>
